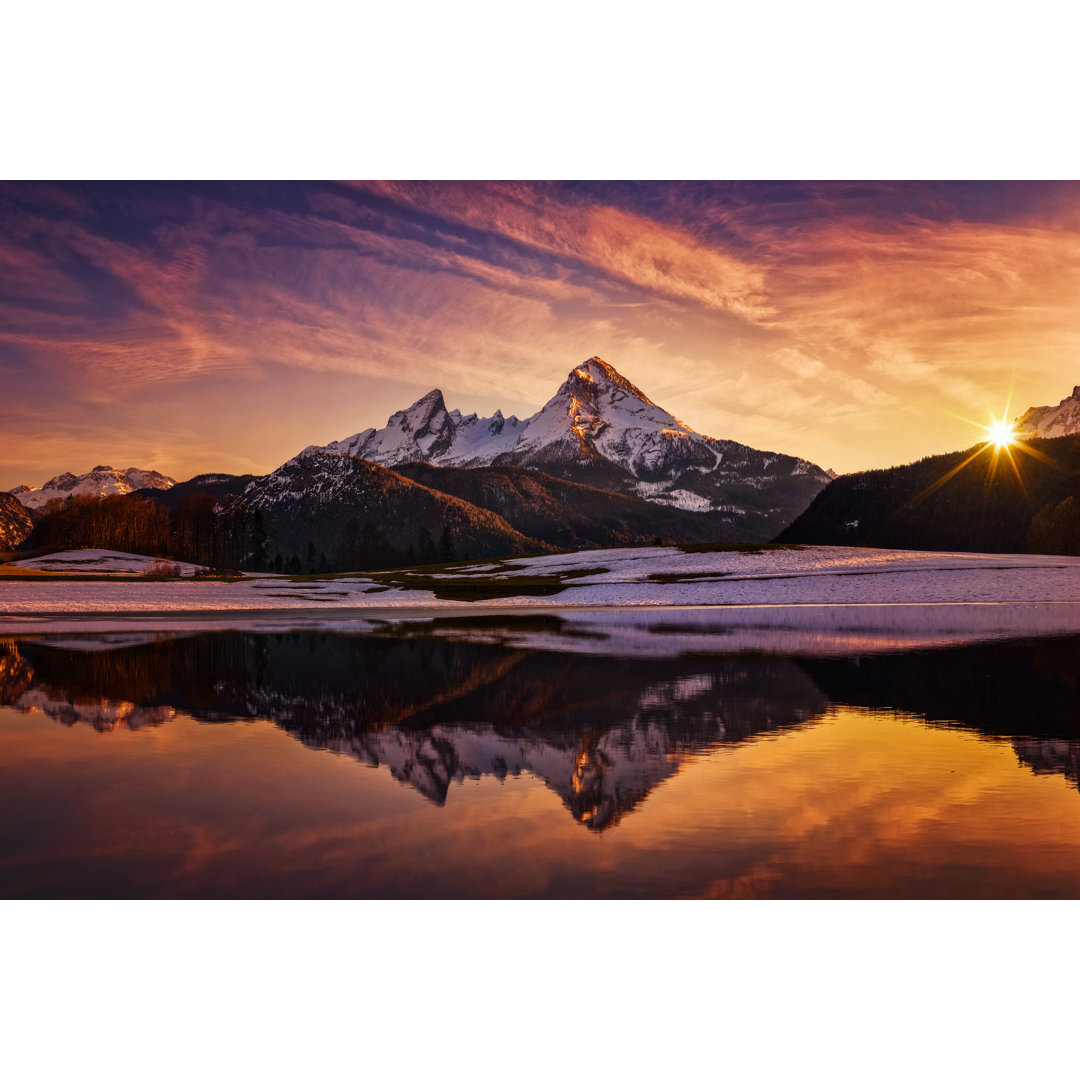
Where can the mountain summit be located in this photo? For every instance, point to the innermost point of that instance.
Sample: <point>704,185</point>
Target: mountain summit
<point>1050,421</point>
<point>599,429</point>
<point>425,431</point>
<point>597,413</point>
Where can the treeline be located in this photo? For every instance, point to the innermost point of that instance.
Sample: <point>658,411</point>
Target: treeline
<point>367,548</point>
<point>227,534</point>
<point>200,529</point>
<point>951,503</point>
<point>1055,529</point>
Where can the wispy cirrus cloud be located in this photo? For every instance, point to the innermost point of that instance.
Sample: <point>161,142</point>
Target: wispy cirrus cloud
<point>948,304</point>
<point>632,248</point>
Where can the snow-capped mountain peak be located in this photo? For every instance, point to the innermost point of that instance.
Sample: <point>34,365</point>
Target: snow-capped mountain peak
<point>1051,421</point>
<point>426,431</point>
<point>597,429</point>
<point>593,400</point>
<point>100,480</point>
<point>599,413</point>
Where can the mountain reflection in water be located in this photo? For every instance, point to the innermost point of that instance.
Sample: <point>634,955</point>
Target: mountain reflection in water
<point>600,731</point>
<point>603,732</point>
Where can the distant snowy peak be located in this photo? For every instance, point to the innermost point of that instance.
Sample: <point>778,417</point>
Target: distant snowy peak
<point>101,480</point>
<point>1050,421</point>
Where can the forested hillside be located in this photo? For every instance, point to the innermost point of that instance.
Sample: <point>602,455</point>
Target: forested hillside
<point>199,529</point>
<point>567,514</point>
<point>1020,500</point>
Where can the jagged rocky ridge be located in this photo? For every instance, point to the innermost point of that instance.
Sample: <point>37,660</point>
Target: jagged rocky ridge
<point>100,480</point>
<point>601,430</point>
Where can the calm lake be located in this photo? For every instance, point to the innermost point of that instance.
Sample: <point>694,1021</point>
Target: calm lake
<point>521,756</point>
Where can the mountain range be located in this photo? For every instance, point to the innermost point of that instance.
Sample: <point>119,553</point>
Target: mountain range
<point>100,480</point>
<point>601,430</point>
<point>600,464</point>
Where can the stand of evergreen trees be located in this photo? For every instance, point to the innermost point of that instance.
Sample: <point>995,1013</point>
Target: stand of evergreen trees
<point>225,534</point>
<point>974,500</point>
<point>365,547</point>
<point>200,529</point>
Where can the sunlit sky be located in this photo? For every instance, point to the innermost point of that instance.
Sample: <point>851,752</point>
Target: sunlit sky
<point>223,327</point>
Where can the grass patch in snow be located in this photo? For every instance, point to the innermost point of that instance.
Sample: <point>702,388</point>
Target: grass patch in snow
<point>467,582</point>
<point>502,625</point>
<point>486,588</point>
<point>322,598</point>
<point>700,577</point>
<point>684,629</point>
<point>743,547</point>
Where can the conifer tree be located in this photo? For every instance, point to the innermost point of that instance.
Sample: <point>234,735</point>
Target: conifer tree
<point>426,546</point>
<point>446,546</point>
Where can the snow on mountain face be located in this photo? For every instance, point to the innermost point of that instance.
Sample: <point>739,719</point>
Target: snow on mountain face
<point>594,403</point>
<point>1050,421</point>
<point>602,430</point>
<point>101,480</point>
<point>598,413</point>
<point>427,432</point>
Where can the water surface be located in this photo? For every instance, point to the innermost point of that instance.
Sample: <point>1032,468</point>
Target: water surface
<point>423,760</point>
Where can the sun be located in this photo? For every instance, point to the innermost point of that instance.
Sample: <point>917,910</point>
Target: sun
<point>1001,434</point>
<point>999,442</point>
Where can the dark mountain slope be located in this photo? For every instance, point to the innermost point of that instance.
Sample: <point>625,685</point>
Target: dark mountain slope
<point>15,522</point>
<point>361,515</point>
<point>568,514</point>
<point>219,485</point>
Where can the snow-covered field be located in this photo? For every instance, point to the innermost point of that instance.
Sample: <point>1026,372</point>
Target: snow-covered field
<point>622,577</point>
<point>810,600</point>
<point>102,561</point>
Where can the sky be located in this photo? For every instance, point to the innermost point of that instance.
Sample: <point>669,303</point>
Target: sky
<point>196,327</point>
